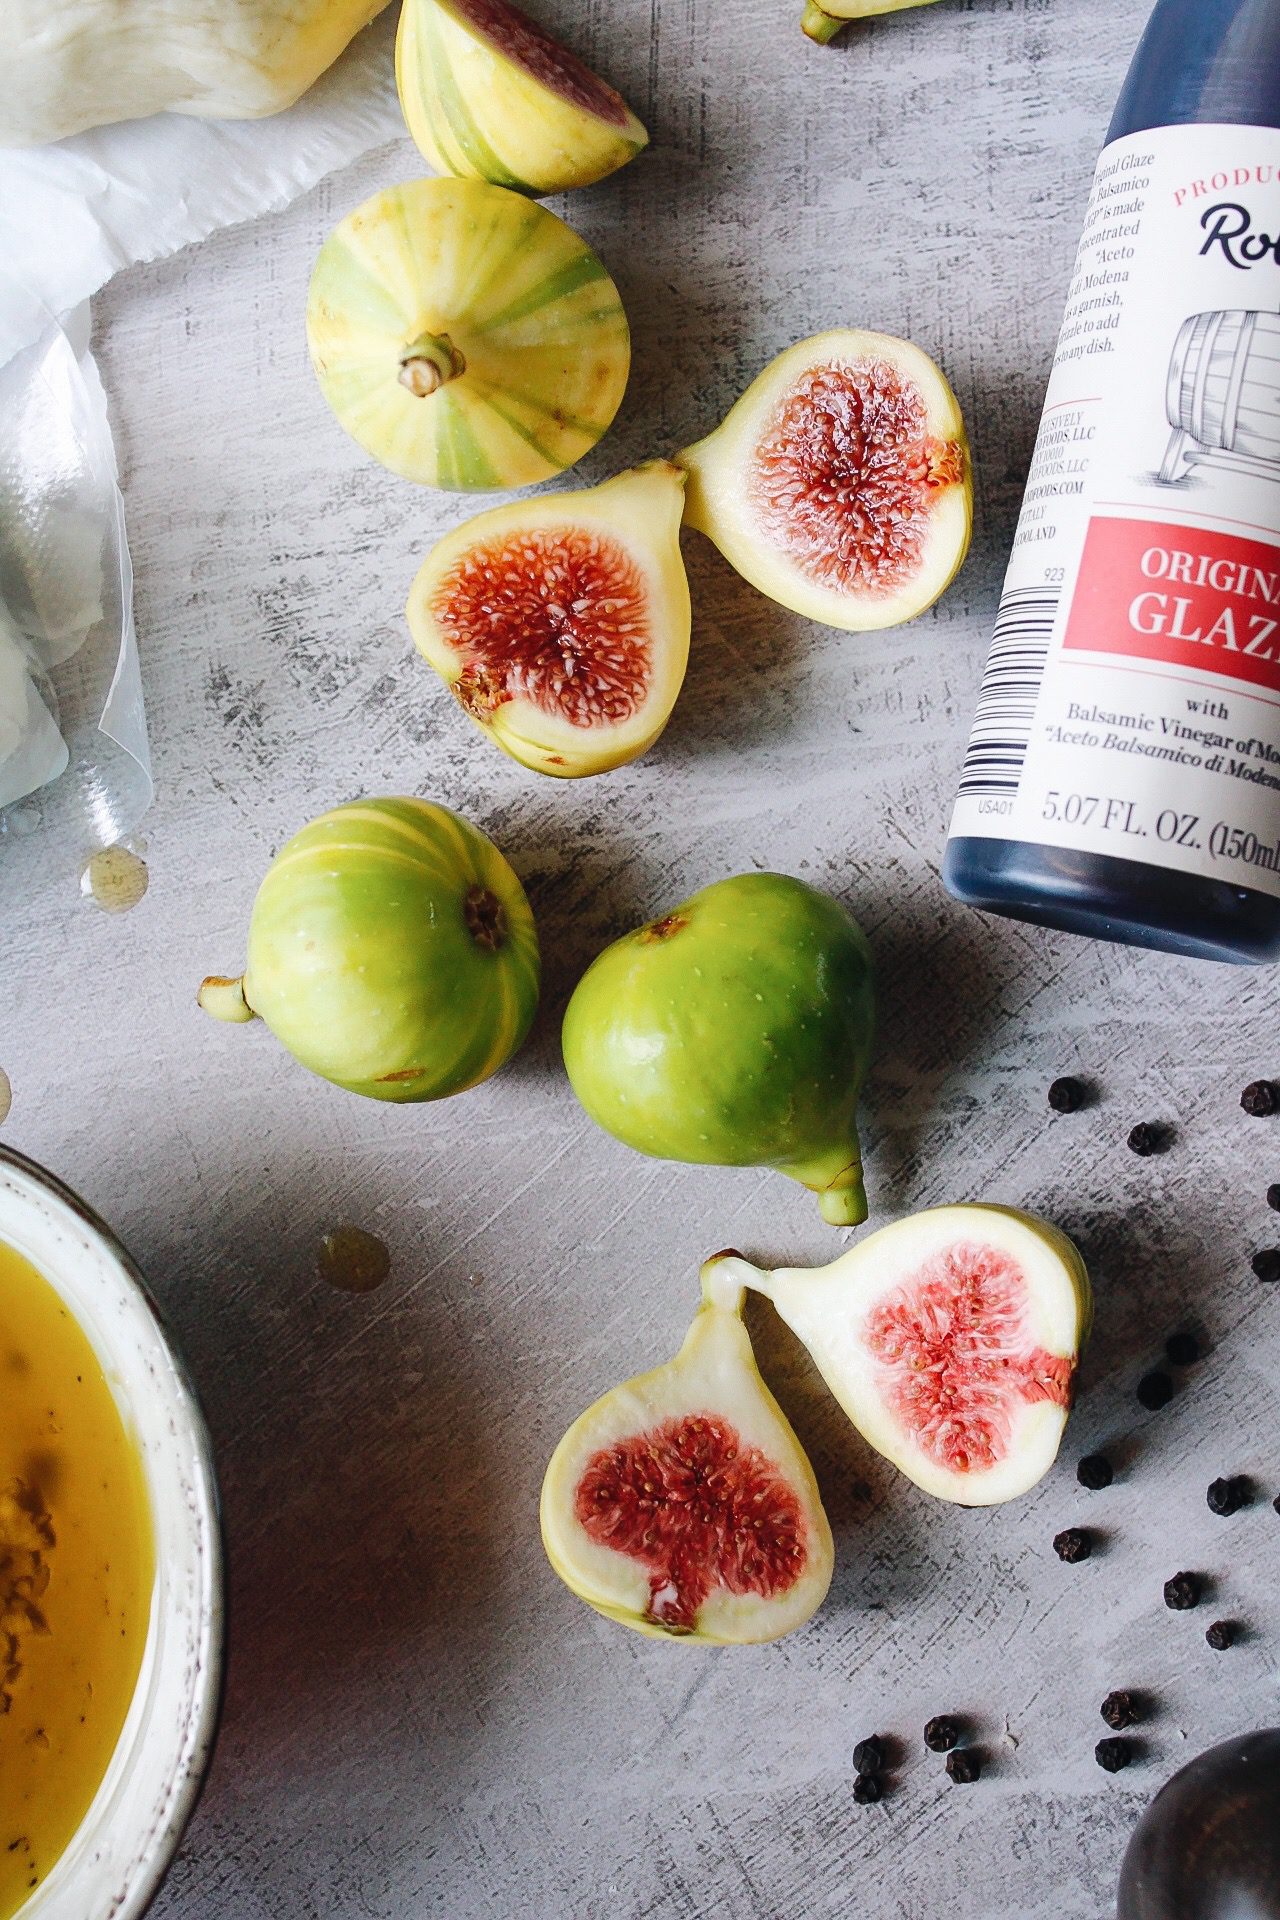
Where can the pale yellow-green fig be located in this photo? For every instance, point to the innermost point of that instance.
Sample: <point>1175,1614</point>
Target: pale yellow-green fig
<point>561,624</point>
<point>465,336</point>
<point>952,1341</point>
<point>823,23</point>
<point>682,1504</point>
<point>488,95</point>
<point>840,483</point>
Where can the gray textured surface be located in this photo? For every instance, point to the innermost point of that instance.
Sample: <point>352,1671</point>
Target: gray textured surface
<point>419,1719</point>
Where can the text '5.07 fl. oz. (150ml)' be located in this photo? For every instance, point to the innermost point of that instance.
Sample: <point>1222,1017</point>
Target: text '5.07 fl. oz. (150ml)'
<point>1123,776</point>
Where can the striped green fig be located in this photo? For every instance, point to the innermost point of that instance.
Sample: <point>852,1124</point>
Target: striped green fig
<point>391,950</point>
<point>466,337</point>
<point>561,624</point>
<point>823,22</point>
<point>487,95</point>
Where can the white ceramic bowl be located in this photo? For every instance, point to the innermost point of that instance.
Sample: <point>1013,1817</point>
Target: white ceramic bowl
<point>119,1853</point>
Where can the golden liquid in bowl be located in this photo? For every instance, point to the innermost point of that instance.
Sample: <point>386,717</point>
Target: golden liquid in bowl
<point>76,1572</point>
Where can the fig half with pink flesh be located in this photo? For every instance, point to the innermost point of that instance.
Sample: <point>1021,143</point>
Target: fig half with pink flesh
<point>561,624</point>
<point>840,484</point>
<point>682,1504</point>
<point>951,1340</point>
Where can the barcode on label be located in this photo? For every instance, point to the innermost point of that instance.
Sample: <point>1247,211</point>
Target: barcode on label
<point>1007,703</point>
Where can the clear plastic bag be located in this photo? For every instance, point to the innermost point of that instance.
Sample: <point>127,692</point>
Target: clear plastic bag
<point>74,759</point>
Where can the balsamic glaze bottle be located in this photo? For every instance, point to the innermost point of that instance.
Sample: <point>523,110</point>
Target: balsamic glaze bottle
<point>1123,775</point>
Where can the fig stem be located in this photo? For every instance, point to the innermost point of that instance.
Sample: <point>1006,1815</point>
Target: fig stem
<point>845,1205</point>
<point>224,999</point>
<point>428,362</point>
<point>820,25</point>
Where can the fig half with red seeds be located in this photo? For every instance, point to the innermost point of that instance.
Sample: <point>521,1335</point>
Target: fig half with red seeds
<point>561,624</point>
<point>951,1339</point>
<point>840,484</point>
<point>682,1504</point>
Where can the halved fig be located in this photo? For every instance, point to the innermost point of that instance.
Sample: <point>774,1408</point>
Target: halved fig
<point>951,1340</point>
<point>682,1504</point>
<point>561,624</point>
<point>823,23</point>
<point>840,483</point>
<point>488,95</point>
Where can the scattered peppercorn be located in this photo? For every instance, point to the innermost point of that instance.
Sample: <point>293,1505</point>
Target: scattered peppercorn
<point>1221,1635</point>
<point>964,1766</point>
<point>1113,1754</point>
<point>867,1789</point>
<point>1261,1098</point>
<point>1095,1472</point>
<point>1273,1197</point>
<point>1267,1264</point>
<point>1149,1137</point>
<point>868,1756</point>
<point>1119,1710</point>
<point>941,1733</point>
<point>1073,1545</point>
<point>1155,1390</point>
<point>1183,1349</point>
<point>1182,1592</point>
<point>1226,1497</point>
<point>1276,1503</point>
<point>1068,1095</point>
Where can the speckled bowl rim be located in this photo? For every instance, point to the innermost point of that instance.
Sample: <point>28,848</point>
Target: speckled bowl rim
<point>155,1850</point>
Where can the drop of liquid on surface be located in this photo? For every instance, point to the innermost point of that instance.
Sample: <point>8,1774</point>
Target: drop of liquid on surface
<point>115,878</point>
<point>353,1261</point>
<point>6,1096</point>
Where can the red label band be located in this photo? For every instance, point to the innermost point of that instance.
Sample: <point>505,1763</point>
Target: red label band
<point>1185,596</point>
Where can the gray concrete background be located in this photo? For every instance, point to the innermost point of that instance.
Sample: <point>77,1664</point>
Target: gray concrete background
<point>420,1720</point>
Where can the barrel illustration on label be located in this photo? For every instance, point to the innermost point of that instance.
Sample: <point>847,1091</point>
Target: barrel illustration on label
<point>1223,381</point>
<point>1122,779</point>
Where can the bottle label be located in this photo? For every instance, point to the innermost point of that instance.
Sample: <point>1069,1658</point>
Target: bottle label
<point>1131,704</point>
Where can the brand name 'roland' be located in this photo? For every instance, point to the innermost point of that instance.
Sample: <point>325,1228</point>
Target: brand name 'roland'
<point>1229,227</point>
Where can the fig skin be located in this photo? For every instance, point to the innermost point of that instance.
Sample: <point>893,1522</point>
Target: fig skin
<point>479,112</point>
<point>720,502</point>
<point>823,23</point>
<point>734,1031</point>
<point>714,1376</point>
<point>833,1310</point>
<point>458,378</point>
<point>637,514</point>
<point>391,950</point>
<point>1208,1846</point>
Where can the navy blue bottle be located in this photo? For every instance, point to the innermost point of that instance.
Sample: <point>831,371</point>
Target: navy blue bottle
<point>1123,776</point>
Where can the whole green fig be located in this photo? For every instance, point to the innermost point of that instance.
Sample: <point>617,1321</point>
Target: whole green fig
<point>391,950</point>
<point>734,1031</point>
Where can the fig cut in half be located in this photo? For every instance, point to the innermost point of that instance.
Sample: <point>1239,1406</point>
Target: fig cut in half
<point>840,483</point>
<point>488,95</point>
<point>823,23</point>
<point>951,1340</point>
<point>561,624</point>
<point>682,1504</point>
<point>466,337</point>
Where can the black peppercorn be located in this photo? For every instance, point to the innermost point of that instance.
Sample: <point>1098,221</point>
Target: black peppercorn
<point>941,1733</point>
<point>1119,1710</point>
<point>1095,1472</point>
<point>1068,1095</point>
<point>867,1789</point>
<point>1183,1349</point>
<point>964,1766</point>
<point>1113,1754</point>
<point>1182,1592</point>
<point>1226,1497</point>
<point>1276,1503</point>
<point>1261,1098</point>
<point>1267,1264</point>
<point>868,1756</point>
<point>1148,1137</point>
<point>1073,1545</point>
<point>1220,1635</point>
<point>1155,1390</point>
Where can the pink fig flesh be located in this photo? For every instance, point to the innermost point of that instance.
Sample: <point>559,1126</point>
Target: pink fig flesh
<point>523,40</point>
